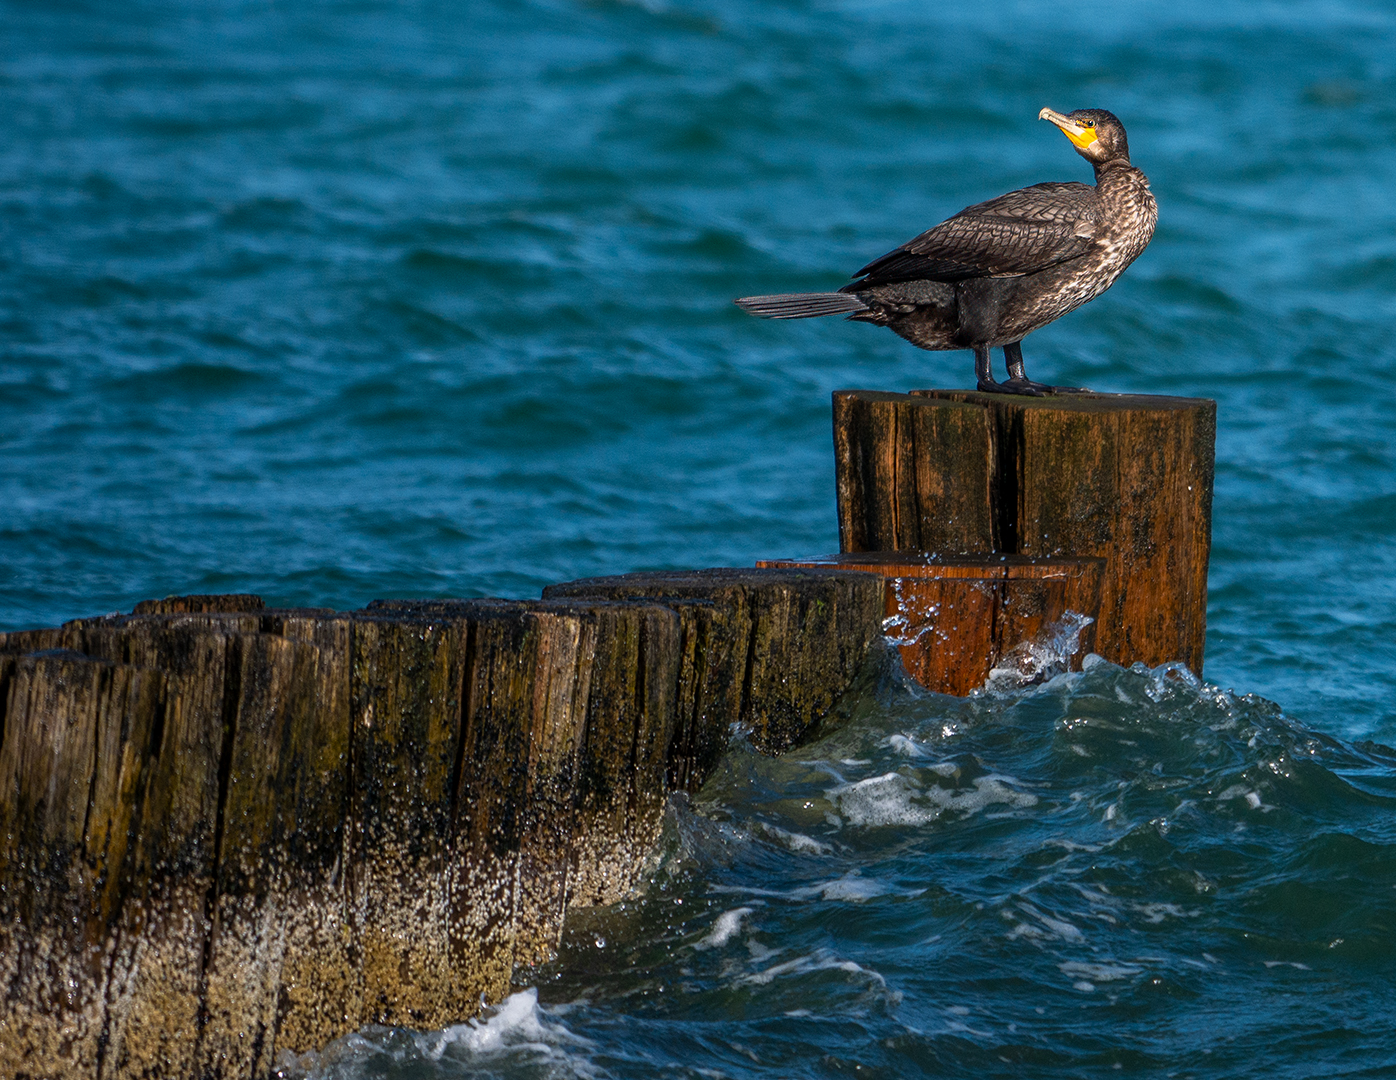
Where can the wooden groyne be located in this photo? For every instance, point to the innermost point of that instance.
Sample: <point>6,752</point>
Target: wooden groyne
<point>227,830</point>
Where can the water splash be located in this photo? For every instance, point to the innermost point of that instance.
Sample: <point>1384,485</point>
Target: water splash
<point>515,1034</point>
<point>1037,661</point>
<point>911,623</point>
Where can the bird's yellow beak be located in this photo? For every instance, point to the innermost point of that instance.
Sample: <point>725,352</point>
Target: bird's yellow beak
<point>1079,134</point>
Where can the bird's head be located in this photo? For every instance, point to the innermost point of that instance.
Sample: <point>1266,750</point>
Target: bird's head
<point>1097,135</point>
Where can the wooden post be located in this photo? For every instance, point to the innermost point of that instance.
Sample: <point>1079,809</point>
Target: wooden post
<point>77,731</point>
<point>1125,478</point>
<point>914,475</point>
<point>232,603</point>
<point>953,618</point>
<point>801,636</point>
<point>321,978</point>
<point>258,914</point>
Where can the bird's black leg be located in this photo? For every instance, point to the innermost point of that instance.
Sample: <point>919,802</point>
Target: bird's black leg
<point>1018,379</point>
<point>984,372</point>
<point>1017,382</point>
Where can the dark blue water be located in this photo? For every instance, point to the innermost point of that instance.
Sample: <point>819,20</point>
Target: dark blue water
<point>329,302</point>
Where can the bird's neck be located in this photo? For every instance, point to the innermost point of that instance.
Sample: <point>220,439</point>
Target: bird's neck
<point>1113,167</point>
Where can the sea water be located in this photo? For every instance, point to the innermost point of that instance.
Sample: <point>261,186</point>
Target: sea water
<point>335,301</point>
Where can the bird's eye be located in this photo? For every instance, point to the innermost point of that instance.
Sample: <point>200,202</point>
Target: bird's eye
<point>1088,123</point>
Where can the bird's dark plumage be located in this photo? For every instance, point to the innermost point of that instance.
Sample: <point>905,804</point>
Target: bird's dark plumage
<point>802,305</point>
<point>1018,233</point>
<point>998,270</point>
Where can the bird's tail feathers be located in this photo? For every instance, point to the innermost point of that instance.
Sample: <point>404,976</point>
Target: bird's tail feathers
<point>800,305</point>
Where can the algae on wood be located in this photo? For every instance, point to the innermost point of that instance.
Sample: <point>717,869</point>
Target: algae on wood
<point>237,830</point>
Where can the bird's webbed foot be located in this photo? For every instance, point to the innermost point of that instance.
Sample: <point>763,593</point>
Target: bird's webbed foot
<point>1019,383</point>
<point>1025,387</point>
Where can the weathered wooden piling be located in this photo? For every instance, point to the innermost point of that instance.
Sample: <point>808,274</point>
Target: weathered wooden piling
<point>796,631</point>
<point>1125,478</point>
<point>954,618</point>
<point>227,831</point>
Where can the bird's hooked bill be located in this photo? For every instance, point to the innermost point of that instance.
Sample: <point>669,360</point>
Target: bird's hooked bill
<point>1081,135</point>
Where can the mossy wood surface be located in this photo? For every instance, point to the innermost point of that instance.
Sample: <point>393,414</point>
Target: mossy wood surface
<point>799,635</point>
<point>228,831</point>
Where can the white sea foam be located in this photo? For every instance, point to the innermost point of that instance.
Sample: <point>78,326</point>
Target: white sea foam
<point>819,960</point>
<point>799,842</point>
<point>515,1025</point>
<point>515,1029</point>
<point>1157,912</point>
<point>1245,791</point>
<point>728,925</point>
<point>882,800</point>
<point>751,890</point>
<point>905,745</point>
<point>1046,926</point>
<point>1070,845</point>
<point>1098,973</point>
<point>852,887</point>
<point>897,799</point>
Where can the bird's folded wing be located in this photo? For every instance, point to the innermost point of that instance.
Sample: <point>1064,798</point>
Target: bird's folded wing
<point>1018,233</point>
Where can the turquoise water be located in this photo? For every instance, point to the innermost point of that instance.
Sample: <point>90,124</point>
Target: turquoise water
<point>331,302</point>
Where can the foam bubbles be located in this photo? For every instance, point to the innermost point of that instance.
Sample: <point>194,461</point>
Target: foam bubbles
<point>728,926</point>
<point>852,888</point>
<point>896,798</point>
<point>516,1030</point>
<point>819,960</point>
<point>797,842</point>
<point>888,799</point>
<point>515,1026</point>
<point>1037,661</point>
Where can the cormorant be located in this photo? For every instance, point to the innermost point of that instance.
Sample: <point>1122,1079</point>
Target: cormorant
<point>997,271</point>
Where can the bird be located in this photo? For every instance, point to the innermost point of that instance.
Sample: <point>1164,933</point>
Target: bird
<point>993,273</point>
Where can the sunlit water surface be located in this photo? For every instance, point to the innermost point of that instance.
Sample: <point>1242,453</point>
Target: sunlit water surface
<point>333,301</point>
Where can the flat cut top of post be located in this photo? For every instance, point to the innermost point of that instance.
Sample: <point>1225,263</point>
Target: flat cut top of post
<point>1080,403</point>
<point>893,395</point>
<point>994,567</point>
